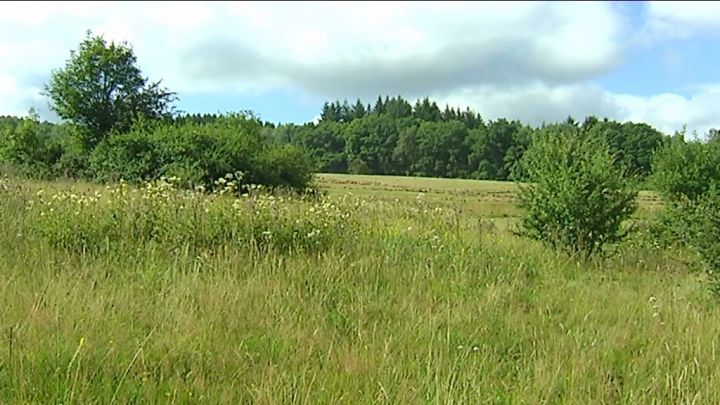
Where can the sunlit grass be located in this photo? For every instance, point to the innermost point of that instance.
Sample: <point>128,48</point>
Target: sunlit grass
<point>412,300</point>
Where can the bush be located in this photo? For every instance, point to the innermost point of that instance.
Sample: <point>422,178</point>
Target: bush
<point>358,166</point>
<point>579,196</point>
<point>131,156</point>
<point>687,175</point>
<point>30,148</point>
<point>287,166</point>
<point>201,153</point>
<point>706,240</point>
<point>686,170</point>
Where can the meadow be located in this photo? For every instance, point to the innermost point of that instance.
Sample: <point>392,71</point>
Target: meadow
<point>383,290</point>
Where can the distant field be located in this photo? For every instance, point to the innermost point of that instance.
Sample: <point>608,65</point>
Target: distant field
<point>490,199</point>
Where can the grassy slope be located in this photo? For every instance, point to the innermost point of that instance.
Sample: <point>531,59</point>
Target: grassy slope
<point>409,311</point>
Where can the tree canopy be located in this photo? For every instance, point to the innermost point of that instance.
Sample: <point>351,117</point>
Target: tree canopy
<point>102,89</point>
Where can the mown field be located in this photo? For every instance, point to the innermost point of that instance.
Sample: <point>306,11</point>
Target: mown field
<point>486,199</point>
<point>387,290</point>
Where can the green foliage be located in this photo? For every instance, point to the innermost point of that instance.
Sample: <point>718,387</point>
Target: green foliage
<point>426,110</point>
<point>31,148</point>
<point>397,108</point>
<point>101,89</point>
<point>358,166</point>
<point>686,170</point>
<point>631,143</point>
<point>325,143</point>
<point>372,140</point>
<point>706,239</point>
<point>579,197</point>
<point>285,166</point>
<point>687,174</point>
<point>694,224</point>
<point>391,138</point>
<point>201,153</point>
<point>396,138</point>
<point>435,149</point>
<point>498,148</point>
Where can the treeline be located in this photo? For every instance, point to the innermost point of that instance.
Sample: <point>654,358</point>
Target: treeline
<point>395,137</point>
<point>118,124</point>
<point>198,152</point>
<point>391,137</point>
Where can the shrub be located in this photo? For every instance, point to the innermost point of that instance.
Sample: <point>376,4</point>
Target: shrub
<point>358,166</point>
<point>706,220</point>
<point>201,153</point>
<point>287,166</point>
<point>30,149</point>
<point>131,156</point>
<point>686,170</point>
<point>579,196</point>
<point>687,175</point>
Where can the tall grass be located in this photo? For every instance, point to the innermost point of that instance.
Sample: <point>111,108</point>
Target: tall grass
<point>155,295</point>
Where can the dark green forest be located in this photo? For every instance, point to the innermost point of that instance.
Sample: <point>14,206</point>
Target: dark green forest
<point>395,137</point>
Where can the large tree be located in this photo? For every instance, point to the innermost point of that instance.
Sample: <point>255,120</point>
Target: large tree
<point>102,89</point>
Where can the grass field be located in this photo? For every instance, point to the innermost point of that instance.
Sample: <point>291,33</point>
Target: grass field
<point>488,199</point>
<point>372,294</point>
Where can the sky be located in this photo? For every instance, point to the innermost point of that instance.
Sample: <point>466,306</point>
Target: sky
<point>653,62</point>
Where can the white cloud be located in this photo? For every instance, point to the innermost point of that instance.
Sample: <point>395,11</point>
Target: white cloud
<point>670,112</point>
<point>680,19</point>
<point>695,14</point>
<point>328,49</point>
<point>531,61</point>
<point>337,49</point>
<point>538,103</point>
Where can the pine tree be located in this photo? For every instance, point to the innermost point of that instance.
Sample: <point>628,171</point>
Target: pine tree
<point>358,110</point>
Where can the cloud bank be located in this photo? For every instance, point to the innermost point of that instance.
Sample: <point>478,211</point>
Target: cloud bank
<point>532,61</point>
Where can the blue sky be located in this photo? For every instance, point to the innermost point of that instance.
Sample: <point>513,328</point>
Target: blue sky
<point>655,62</point>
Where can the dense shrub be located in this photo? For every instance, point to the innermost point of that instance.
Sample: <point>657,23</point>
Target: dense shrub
<point>579,197</point>
<point>200,153</point>
<point>706,215</point>
<point>687,175</point>
<point>686,169</point>
<point>31,148</point>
